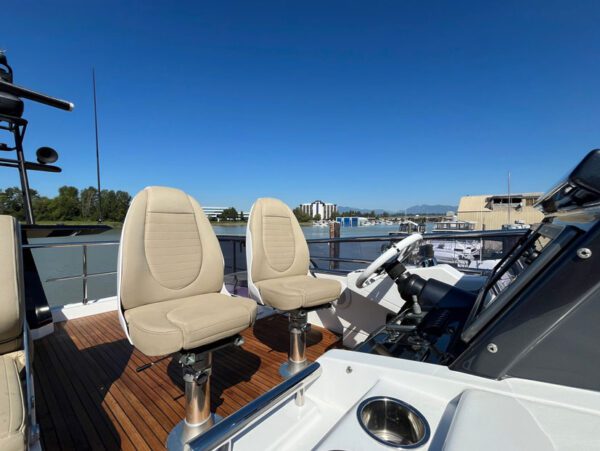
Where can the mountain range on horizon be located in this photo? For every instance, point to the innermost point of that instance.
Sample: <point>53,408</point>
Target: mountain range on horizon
<point>414,210</point>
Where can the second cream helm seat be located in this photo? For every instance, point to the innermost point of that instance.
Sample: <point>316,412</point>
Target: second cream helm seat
<point>278,276</point>
<point>171,294</point>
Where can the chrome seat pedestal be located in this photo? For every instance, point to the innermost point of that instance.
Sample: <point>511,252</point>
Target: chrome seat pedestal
<point>197,369</point>
<point>297,360</point>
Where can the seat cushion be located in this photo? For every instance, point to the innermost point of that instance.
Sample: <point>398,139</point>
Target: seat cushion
<point>12,402</point>
<point>291,293</point>
<point>182,324</point>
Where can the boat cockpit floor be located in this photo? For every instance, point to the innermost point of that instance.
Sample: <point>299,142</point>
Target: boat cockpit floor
<point>90,396</point>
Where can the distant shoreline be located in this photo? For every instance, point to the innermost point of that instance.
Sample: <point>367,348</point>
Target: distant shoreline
<point>119,225</point>
<point>116,225</point>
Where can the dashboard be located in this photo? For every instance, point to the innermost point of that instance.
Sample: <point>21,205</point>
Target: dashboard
<point>453,316</point>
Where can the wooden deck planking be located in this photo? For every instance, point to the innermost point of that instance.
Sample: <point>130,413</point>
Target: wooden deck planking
<point>90,396</point>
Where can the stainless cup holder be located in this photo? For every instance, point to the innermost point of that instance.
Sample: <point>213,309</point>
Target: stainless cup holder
<point>393,422</point>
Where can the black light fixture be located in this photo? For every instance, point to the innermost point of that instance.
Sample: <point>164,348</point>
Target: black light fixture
<point>46,155</point>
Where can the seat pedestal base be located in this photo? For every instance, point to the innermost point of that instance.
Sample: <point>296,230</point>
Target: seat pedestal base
<point>289,368</point>
<point>182,433</point>
<point>197,368</point>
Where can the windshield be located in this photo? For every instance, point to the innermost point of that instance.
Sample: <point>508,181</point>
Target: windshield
<point>528,257</point>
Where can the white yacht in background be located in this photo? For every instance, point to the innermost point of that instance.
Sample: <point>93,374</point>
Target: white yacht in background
<point>451,223</point>
<point>517,225</point>
<point>290,354</point>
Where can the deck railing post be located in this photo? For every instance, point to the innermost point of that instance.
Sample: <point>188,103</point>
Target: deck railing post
<point>85,273</point>
<point>334,248</point>
<point>234,248</point>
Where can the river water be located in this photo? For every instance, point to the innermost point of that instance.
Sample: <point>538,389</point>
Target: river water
<point>62,262</point>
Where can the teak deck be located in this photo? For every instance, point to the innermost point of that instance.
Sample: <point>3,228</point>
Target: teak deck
<point>89,395</point>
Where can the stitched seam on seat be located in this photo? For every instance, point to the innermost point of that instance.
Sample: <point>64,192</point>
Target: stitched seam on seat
<point>205,327</point>
<point>225,332</point>
<point>20,393</point>
<point>9,397</point>
<point>321,299</point>
<point>7,432</point>
<point>143,329</point>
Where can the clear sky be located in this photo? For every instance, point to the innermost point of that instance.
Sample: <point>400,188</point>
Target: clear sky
<point>372,104</point>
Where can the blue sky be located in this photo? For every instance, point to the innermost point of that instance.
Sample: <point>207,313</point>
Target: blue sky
<point>373,104</point>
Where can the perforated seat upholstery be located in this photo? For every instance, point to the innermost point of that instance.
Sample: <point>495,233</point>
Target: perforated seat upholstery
<point>12,358</point>
<point>171,274</point>
<point>278,260</point>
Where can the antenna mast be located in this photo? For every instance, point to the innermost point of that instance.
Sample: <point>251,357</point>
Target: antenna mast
<point>97,148</point>
<point>509,203</point>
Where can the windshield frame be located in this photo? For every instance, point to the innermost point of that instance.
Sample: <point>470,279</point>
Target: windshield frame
<point>559,235</point>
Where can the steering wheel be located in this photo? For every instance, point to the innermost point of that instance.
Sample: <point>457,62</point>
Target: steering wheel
<point>399,251</point>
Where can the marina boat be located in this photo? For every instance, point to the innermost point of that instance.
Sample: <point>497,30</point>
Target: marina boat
<point>451,223</point>
<point>519,224</point>
<point>408,226</point>
<point>286,352</point>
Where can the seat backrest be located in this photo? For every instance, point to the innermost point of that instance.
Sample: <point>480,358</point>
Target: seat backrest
<point>11,286</point>
<point>275,244</point>
<point>168,250</point>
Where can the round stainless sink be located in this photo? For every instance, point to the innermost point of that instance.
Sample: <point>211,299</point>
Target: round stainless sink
<point>393,422</point>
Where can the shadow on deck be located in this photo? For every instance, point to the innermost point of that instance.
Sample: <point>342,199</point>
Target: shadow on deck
<point>89,395</point>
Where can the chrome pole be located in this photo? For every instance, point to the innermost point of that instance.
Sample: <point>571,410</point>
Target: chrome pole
<point>84,278</point>
<point>197,391</point>
<point>297,355</point>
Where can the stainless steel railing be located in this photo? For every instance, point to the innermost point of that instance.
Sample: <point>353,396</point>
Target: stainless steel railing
<point>221,434</point>
<point>84,276</point>
<point>238,244</point>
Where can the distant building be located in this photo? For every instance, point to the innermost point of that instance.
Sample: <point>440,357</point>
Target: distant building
<point>215,212</point>
<point>492,212</point>
<point>318,207</point>
<point>351,221</point>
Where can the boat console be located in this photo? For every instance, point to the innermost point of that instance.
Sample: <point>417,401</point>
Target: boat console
<point>450,316</point>
<point>515,324</point>
<point>510,365</point>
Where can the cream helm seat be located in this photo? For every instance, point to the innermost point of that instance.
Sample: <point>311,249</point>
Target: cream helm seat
<point>17,418</point>
<point>171,294</point>
<point>277,260</point>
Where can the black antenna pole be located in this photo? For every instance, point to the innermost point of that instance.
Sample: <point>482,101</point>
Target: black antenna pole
<point>97,148</point>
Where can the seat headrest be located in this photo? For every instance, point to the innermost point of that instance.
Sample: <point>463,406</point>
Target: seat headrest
<point>162,199</point>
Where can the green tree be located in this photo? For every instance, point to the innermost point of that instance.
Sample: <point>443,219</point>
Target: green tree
<point>12,203</point>
<point>41,208</point>
<point>300,215</point>
<point>89,203</point>
<point>229,214</point>
<point>114,205</point>
<point>66,206</point>
<point>122,201</point>
<point>70,204</point>
<point>317,217</point>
